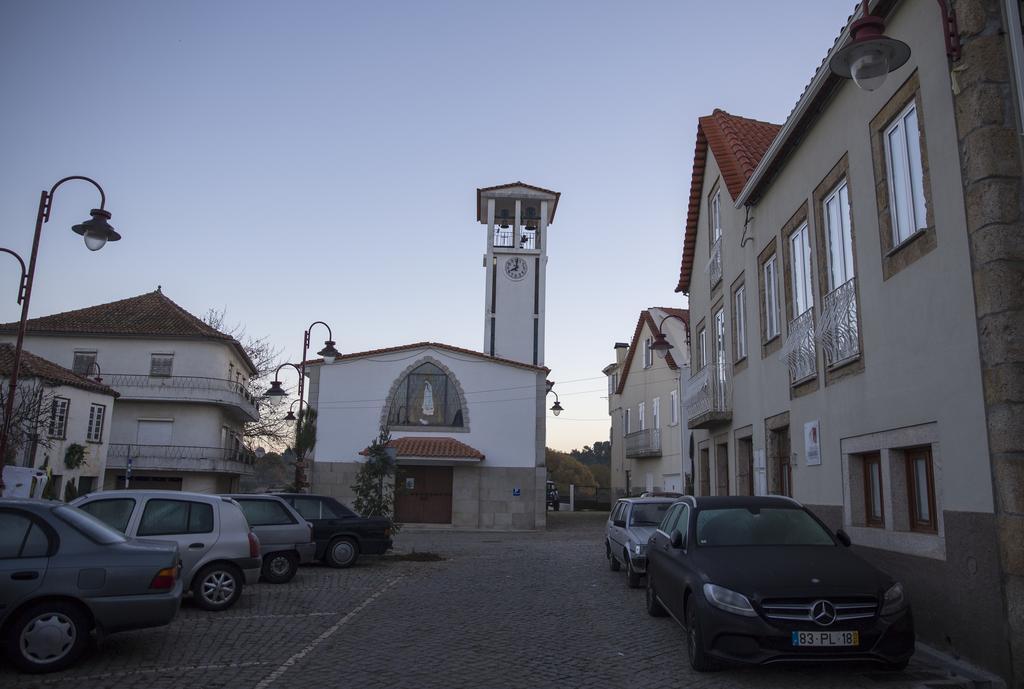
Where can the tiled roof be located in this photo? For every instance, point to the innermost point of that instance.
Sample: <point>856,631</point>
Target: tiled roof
<point>33,366</point>
<point>148,315</point>
<point>419,446</point>
<point>480,191</point>
<point>738,144</point>
<point>436,345</point>
<point>648,319</point>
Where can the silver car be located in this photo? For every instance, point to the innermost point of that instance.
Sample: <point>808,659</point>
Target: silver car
<point>219,552</point>
<point>286,539</point>
<point>631,523</point>
<point>65,575</point>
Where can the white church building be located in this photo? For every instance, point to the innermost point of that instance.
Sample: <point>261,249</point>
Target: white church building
<point>468,426</point>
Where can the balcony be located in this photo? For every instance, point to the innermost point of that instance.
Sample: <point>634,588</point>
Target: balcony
<point>799,351</point>
<point>182,458</point>
<point>707,400</point>
<point>715,263</point>
<point>839,332</point>
<point>230,393</point>
<point>645,443</point>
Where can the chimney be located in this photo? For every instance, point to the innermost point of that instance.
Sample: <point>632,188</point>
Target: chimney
<point>621,349</point>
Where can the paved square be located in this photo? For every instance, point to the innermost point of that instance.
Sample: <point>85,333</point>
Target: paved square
<point>503,610</point>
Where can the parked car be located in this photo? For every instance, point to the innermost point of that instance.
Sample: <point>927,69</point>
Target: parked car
<point>341,535</point>
<point>286,539</point>
<point>552,497</point>
<point>661,494</point>
<point>762,579</point>
<point>65,575</point>
<point>631,523</point>
<point>219,552</point>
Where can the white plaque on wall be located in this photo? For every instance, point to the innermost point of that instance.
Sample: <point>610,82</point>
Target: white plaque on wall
<point>812,443</point>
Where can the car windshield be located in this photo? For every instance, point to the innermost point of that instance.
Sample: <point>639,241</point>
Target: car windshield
<point>747,526</point>
<point>89,526</point>
<point>648,513</point>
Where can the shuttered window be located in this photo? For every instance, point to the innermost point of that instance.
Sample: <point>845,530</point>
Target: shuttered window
<point>83,362</point>
<point>161,365</point>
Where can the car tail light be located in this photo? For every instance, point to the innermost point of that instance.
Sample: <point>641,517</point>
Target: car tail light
<point>164,579</point>
<point>254,545</point>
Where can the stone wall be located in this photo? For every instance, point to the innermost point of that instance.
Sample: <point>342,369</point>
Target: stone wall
<point>991,165</point>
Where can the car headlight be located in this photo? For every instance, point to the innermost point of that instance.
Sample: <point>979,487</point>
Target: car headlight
<point>639,549</point>
<point>730,601</point>
<point>894,600</point>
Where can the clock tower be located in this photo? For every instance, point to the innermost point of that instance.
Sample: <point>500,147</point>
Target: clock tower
<point>517,217</point>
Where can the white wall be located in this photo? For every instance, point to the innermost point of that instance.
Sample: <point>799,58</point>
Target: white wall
<point>197,425</point>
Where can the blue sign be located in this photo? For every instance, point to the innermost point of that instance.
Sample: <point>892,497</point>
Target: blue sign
<point>516,492</point>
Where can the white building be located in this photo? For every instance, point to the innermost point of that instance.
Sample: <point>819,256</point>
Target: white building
<point>70,435</point>
<point>468,426</point>
<point>649,435</point>
<point>182,384</point>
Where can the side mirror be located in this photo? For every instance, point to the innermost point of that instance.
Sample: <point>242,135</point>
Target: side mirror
<point>843,538</point>
<point>620,523</point>
<point>677,539</point>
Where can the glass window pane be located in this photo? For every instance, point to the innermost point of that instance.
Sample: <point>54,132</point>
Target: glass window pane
<point>200,518</point>
<point>309,508</point>
<point>876,490</point>
<point>114,513</point>
<point>845,219</point>
<point>898,176</point>
<point>648,514</point>
<point>37,544</point>
<point>164,517</point>
<point>921,489</point>
<point>805,240</point>
<point>835,239</point>
<point>12,533</point>
<point>741,526</point>
<point>265,512</point>
<point>669,519</point>
<point>913,139</point>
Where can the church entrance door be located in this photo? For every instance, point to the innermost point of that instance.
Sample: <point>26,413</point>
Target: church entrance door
<point>424,495</point>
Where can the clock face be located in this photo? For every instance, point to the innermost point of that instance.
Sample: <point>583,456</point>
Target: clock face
<point>515,268</point>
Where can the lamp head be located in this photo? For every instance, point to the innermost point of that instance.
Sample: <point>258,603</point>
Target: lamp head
<point>870,55</point>
<point>275,394</point>
<point>661,345</point>
<point>289,418</point>
<point>329,353</point>
<point>556,408</point>
<point>97,231</point>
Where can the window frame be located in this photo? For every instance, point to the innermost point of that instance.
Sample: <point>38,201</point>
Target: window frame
<point>50,432</point>
<point>83,352</point>
<point>846,232</point>
<point>913,183</point>
<point>772,328</point>
<point>872,464</point>
<point>715,216</point>
<point>674,403</point>
<point>802,281</point>
<point>910,457</point>
<point>156,371</point>
<point>656,413</point>
<point>739,304</point>
<point>702,348</point>
<point>642,415</point>
<point>627,422</point>
<point>90,435</point>
<point>188,518</point>
<point>648,352</point>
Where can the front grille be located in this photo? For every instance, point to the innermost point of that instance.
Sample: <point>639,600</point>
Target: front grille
<point>799,609</point>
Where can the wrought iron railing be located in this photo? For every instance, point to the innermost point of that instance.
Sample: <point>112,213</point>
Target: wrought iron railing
<point>505,238</point>
<point>799,351</point>
<point>838,331</point>
<point>708,391</point>
<point>715,262</point>
<point>179,453</point>
<point>645,443</point>
<point>191,383</point>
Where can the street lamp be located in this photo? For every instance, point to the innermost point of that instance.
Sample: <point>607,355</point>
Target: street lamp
<point>290,417</point>
<point>661,345</point>
<point>556,408</point>
<point>96,231</point>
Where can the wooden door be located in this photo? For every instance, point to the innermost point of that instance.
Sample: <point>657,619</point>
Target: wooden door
<point>423,495</point>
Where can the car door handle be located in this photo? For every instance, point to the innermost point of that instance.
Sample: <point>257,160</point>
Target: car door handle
<point>25,576</point>
<point>196,546</point>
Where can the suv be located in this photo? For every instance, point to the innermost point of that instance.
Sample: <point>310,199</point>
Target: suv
<point>219,552</point>
<point>630,525</point>
<point>341,535</point>
<point>552,496</point>
<point>286,539</point>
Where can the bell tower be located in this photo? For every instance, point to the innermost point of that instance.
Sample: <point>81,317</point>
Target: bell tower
<point>517,217</point>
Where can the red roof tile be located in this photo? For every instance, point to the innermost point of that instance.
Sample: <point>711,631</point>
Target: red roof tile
<point>420,446</point>
<point>147,315</point>
<point>33,366</point>
<point>738,143</point>
<point>648,319</point>
<point>436,345</point>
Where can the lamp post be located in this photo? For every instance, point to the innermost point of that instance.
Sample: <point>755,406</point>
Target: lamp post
<point>556,408</point>
<point>97,232</point>
<point>661,345</point>
<point>277,394</point>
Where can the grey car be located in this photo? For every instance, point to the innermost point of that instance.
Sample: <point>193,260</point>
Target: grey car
<point>286,539</point>
<point>631,523</point>
<point>65,575</point>
<point>219,552</point>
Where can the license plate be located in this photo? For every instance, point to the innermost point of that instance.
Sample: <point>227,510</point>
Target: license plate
<point>826,638</point>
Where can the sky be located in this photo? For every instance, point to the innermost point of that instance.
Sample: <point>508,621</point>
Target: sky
<point>300,161</point>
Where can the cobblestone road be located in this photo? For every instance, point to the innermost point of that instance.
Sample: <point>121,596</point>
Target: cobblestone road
<point>503,610</point>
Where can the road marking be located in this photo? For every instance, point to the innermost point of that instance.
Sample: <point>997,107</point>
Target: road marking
<point>283,668</point>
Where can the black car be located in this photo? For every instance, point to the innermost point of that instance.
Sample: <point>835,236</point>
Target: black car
<point>762,580</point>
<point>341,535</point>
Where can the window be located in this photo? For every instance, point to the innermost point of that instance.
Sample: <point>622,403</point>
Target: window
<point>648,353</point>
<point>167,517</point>
<point>803,295</point>
<point>161,365</point>
<point>642,417</point>
<point>669,520</point>
<point>905,175</point>
<point>648,513</point>
<point>874,514</point>
<point>83,362</point>
<point>921,489</point>
<point>836,209</point>
<point>265,513</point>
<point>21,536</point>
<point>97,413</point>
<point>613,383</point>
<point>720,336</point>
<point>115,512</point>
<point>628,422</point>
<point>771,298</point>
<point>86,484</point>
<point>702,349</point>
<point>771,526</point>
<point>674,403</point>
<point>715,216</point>
<point>656,413</point>
<point>740,320</point>
<point>426,397</point>
<point>59,417</point>
<point>318,508</point>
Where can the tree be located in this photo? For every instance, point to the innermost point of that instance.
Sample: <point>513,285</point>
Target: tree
<point>602,474</point>
<point>271,429</point>
<point>305,439</point>
<point>600,453</point>
<point>33,409</point>
<point>565,469</point>
<point>375,496</point>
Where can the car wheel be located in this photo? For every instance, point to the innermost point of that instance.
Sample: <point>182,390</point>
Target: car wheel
<point>654,608</point>
<point>632,576</point>
<point>48,636</point>
<point>342,553</point>
<point>217,587</point>
<point>280,567</point>
<point>699,659</point>
<point>613,564</point>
